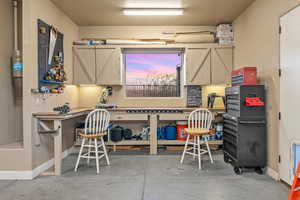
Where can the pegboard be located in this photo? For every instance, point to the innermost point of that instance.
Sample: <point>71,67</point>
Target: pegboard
<point>43,51</point>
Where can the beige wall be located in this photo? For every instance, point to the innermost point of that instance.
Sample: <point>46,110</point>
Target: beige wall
<point>257,44</point>
<point>48,12</point>
<point>10,130</point>
<point>89,95</point>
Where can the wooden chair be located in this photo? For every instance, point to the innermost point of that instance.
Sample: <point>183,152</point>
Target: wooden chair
<point>96,126</point>
<point>199,123</point>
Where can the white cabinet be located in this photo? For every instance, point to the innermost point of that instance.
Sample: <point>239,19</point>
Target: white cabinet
<point>84,65</point>
<point>211,65</point>
<point>198,64</point>
<point>97,65</point>
<point>108,66</point>
<point>221,65</point>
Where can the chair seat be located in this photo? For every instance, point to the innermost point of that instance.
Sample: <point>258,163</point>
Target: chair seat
<point>92,136</point>
<point>197,132</point>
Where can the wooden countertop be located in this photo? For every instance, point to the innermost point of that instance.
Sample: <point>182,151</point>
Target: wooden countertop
<point>76,112</point>
<point>54,115</point>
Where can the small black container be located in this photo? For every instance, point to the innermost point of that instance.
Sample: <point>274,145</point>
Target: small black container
<point>105,138</point>
<point>127,134</point>
<point>116,134</point>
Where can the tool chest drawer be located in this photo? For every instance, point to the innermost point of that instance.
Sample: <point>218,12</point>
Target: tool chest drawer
<point>232,91</point>
<point>231,125</point>
<point>230,138</point>
<point>228,131</point>
<point>232,101</point>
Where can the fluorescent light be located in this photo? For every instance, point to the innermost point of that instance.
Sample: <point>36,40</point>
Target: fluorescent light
<point>149,4</point>
<point>158,12</point>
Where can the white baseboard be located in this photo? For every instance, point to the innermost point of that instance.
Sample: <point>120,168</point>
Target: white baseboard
<point>273,174</point>
<point>29,175</point>
<point>16,175</point>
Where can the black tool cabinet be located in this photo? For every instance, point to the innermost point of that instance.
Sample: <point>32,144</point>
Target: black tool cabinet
<point>245,129</point>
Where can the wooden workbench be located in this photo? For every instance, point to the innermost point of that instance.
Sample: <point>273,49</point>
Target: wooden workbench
<point>117,115</point>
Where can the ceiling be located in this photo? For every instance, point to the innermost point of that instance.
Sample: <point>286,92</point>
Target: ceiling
<point>109,12</point>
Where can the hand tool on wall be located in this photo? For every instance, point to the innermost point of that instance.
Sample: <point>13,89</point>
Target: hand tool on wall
<point>52,42</point>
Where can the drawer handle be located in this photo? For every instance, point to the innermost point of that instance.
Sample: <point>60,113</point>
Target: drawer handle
<point>119,117</point>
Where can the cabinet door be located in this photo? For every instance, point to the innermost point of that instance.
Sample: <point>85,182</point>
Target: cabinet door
<point>108,66</point>
<point>198,66</point>
<point>84,65</point>
<point>221,64</point>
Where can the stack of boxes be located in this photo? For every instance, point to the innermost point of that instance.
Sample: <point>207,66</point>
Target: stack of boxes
<point>225,34</point>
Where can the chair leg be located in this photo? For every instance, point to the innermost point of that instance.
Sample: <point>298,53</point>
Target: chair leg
<point>194,148</point>
<point>79,155</point>
<point>105,152</point>
<point>89,151</point>
<point>185,148</point>
<point>199,152</point>
<point>97,155</point>
<point>208,149</point>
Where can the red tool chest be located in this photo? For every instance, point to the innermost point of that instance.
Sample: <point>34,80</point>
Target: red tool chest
<point>244,76</point>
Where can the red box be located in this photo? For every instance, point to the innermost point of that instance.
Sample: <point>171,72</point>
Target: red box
<point>244,76</point>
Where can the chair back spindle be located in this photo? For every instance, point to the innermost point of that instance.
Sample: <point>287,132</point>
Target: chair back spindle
<point>200,119</point>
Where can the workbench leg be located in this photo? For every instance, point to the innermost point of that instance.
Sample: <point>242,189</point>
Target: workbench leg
<point>153,134</point>
<point>57,148</point>
<point>37,140</point>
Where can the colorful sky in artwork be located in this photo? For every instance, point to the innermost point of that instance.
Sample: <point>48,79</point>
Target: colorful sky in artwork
<point>138,66</point>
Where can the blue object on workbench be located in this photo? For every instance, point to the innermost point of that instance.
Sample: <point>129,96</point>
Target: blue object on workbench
<point>170,132</point>
<point>160,133</point>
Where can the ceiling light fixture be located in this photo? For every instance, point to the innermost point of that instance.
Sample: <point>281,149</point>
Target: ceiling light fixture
<point>153,12</point>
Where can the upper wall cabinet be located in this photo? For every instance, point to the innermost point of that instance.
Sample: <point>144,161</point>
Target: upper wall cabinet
<point>84,67</point>
<point>212,65</point>
<point>198,64</point>
<point>98,65</point>
<point>108,66</point>
<point>221,65</point>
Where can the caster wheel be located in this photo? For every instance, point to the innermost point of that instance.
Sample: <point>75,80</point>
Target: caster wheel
<point>226,159</point>
<point>259,170</point>
<point>238,170</point>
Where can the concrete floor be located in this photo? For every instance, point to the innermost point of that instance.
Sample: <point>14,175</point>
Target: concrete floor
<point>143,177</point>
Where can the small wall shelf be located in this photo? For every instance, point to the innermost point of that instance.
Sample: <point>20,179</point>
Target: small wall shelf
<point>51,82</point>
